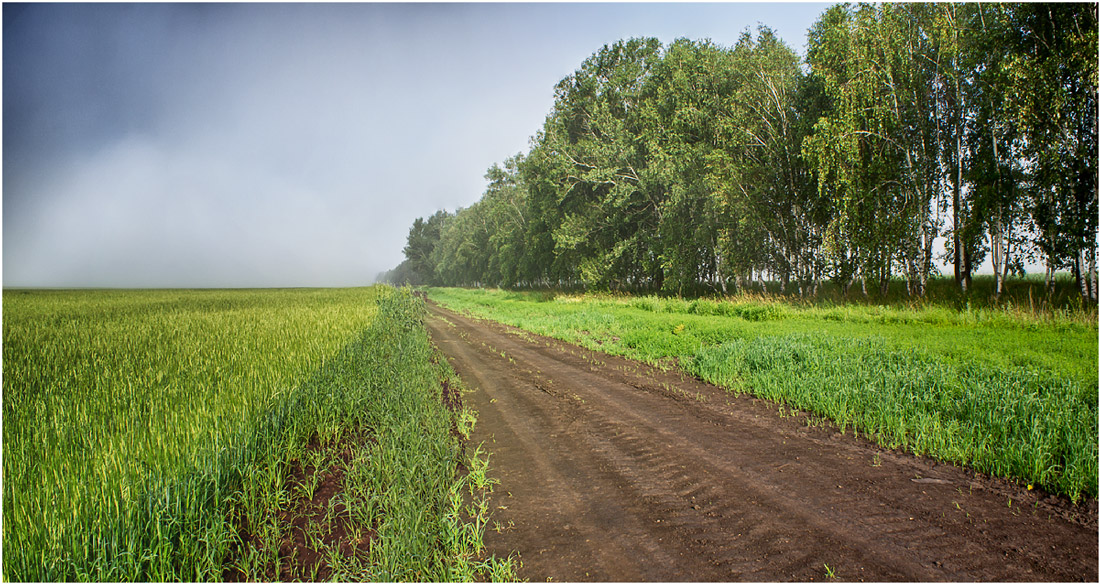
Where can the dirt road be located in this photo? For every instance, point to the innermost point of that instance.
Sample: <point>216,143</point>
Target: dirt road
<point>613,471</point>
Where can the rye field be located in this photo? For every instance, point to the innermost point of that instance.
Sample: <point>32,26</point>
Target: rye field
<point>203,435</point>
<point>1007,391</point>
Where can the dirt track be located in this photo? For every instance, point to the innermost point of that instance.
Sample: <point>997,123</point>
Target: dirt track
<point>613,471</point>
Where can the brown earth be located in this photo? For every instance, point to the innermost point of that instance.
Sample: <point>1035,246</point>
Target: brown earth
<point>611,470</point>
<point>315,525</point>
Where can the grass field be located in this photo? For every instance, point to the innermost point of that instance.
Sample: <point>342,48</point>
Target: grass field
<point>1006,391</point>
<point>151,435</point>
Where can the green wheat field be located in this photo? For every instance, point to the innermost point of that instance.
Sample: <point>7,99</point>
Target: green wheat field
<point>148,435</point>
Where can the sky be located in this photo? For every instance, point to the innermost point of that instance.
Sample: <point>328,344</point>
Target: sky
<point>257,145</point>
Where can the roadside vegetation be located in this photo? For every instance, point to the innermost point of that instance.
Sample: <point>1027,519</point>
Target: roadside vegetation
<point>1002,389</point>
<point>243,435</point>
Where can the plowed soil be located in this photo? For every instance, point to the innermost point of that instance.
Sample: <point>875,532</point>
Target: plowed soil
<point>611,470</point>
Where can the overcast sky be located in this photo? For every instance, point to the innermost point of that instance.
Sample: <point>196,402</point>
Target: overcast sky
<point>282,144</point>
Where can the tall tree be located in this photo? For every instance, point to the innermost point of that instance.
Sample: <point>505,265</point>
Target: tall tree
<point>505,202</point>
<point>993,146</point>
<point>892,137</point>
<point>419,267</point>
<point>683,99</point>
<point>862,144</point>
<point>1052,62</point>
<point>593,167</point>
<point>775,181</point>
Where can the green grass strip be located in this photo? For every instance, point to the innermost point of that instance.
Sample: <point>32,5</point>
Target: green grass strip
<point>1030,425</point>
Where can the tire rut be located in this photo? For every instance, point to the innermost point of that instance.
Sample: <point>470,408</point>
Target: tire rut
<point>614,471</point>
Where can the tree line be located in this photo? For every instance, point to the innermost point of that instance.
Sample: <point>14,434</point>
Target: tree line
<point>695,166</point>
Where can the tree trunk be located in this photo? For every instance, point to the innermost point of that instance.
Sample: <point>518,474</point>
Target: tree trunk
<point>884,280</point>
<point>999,260</point>
<point>718,269</point>
<point>1050,276</point>
<point>956,238</point>
<point>926,258</point>
<point>913,285</point>
<point>967,271</point>
<point>1092,274</point>
<point>998,256</point>
<point>1079,273</point>
<point>962,271</point>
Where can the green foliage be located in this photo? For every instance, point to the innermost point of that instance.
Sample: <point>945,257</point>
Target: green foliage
<point>595,167</point>
<point>486,242</point>
<point>419,267</point>
<point>144,430</point>
<point>1008,392</point>
<point>695,167</point>
<point>1050,52</point>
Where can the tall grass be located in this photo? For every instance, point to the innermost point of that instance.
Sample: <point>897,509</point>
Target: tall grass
<point>1033,425</point>
<point>144,432</point>
<point>1007,391</point>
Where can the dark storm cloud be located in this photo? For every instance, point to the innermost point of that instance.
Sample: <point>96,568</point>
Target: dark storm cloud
<point>288,144</point>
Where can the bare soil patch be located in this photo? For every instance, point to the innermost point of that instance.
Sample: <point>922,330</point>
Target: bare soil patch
<point>314,525</point>
<point>316,522</point>
<point>611,470</point>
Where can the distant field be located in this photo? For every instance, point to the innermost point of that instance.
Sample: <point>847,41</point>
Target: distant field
<point>1006,392</point>
<point>151,435</point>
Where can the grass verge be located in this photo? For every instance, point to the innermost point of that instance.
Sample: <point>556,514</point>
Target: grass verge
<point>1003,391</point>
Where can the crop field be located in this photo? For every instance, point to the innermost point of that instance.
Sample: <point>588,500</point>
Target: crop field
<point>208,435</point>
<point>1007,392</point>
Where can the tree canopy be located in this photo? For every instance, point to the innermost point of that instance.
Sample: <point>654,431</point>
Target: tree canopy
<point>694,166</point>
